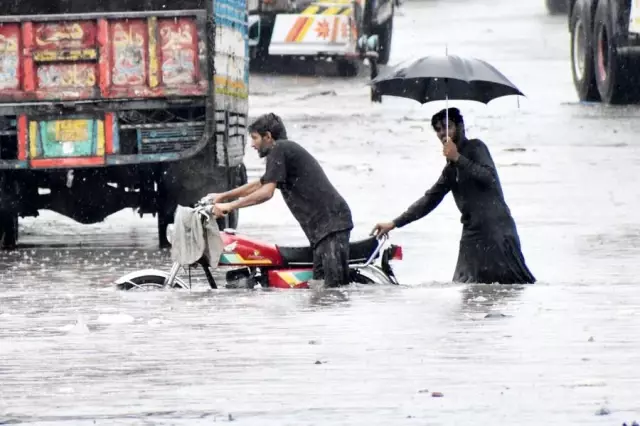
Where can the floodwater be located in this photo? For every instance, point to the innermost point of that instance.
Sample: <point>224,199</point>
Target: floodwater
<point>563,351</point>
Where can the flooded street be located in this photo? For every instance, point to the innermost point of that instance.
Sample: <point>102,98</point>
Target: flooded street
<point>564,351</point>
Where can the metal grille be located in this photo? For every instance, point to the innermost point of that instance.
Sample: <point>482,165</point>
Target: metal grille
<point>169,137</point>
<point>230,134</point>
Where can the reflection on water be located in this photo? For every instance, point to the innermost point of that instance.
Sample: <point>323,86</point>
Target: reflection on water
<point>480,298</point>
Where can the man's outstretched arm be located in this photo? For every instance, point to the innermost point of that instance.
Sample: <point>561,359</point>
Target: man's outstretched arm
<point>422,207</point>
<point>259,196</point>
<point>241,191</point>
<point>425,204</point>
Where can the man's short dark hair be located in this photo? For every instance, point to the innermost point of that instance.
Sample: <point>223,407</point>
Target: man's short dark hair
<point>269,123</point>
<point>454,116</point>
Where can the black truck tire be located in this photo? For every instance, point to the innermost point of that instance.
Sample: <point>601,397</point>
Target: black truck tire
<point>347,68</point>
<point>231,221</point>
<point>557,7</point>
<point>163,223</point>
<point>613,71</point>
<point>582,64</point>
<point>8,230</point>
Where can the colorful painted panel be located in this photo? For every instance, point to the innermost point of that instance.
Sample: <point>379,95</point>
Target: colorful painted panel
<point>179,51</point>
<point>297,278</point>
<point>9,57</point>
<point>232,49</point>
<point>67,76</point>
<point>66,138</point>
<point>129,60</point>
<point>236,259</point>
<point>64,35</point>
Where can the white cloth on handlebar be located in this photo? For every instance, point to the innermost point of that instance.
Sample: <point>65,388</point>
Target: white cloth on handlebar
<point>192,239</point>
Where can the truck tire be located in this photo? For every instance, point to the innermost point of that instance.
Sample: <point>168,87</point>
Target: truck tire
<point>612,70</point>
<point>582,65</point>
<point>165,208</point>
<point>231,221</point>
<point>163,223</point>
<point>385,34</point>
<point>557,7</point>
<point>8,230</point>
<point>347,68</point>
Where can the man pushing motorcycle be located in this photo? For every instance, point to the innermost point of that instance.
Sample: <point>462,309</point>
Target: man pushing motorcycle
<point>323,214</point>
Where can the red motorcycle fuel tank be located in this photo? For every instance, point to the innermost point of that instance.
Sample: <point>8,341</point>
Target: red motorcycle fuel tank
<point>242,251</point>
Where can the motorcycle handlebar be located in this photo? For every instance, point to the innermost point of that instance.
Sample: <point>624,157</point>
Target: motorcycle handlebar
<point>204,207</point>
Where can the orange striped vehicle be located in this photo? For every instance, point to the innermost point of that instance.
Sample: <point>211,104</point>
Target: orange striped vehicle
<point>346,31</point>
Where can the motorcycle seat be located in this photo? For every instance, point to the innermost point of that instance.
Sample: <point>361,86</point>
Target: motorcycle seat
<point>359,252</point>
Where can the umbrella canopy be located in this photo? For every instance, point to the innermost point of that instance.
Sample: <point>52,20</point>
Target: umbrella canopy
<point>447,77</point>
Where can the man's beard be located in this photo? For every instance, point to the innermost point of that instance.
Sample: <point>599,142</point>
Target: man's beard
<point>264,151</point>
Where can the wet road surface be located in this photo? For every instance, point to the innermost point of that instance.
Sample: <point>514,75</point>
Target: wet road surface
<point>563,351</point>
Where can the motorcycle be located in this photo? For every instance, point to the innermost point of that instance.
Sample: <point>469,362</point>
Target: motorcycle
<point>249,262</point>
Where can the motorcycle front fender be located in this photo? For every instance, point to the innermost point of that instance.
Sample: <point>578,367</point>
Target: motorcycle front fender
<point>149,276</point>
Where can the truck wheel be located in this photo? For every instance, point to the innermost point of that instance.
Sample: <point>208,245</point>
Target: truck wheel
<point>347,68</point>
<point>582,66</point>
<point>163,224</point>
<point>556,7</point>
<point>232,219</point>
<point>385,34</point>
<point>8,230</point>
<point>611,69</point>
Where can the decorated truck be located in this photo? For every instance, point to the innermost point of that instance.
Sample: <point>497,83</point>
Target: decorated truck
<point>344,31</point>
<point>120,104</point>
<point>605,50</point>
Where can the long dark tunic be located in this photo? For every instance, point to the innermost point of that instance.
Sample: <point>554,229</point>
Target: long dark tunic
<point>489,247</point>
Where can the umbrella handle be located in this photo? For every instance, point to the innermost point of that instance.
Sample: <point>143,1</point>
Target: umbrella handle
<point>446,106</point>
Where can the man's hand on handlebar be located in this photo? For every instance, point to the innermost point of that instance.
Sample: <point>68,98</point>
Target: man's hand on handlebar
<point>382,229</point>
<point>221,209</point>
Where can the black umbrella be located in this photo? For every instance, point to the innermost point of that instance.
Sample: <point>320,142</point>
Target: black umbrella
<point>448,77</point>
<point>439,78</point>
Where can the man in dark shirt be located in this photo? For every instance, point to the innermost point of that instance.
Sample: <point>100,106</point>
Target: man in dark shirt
<point>323,214</point>
<point>490,246</point>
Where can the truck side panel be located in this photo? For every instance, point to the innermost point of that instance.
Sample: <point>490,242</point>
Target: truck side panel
<point>102,58</point>
<point>231,80</point>
<point>94,90</point>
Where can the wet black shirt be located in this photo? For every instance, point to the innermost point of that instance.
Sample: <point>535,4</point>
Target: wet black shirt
<point>312,199</point>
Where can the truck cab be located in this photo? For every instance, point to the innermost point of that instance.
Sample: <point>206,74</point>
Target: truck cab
<point>120,104</point>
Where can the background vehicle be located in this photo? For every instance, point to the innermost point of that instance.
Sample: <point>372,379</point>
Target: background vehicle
<point>605,44</point>
<point>115,104</point>
<point>556,7</point>
<point>321,29</point>
<point>249,262</point>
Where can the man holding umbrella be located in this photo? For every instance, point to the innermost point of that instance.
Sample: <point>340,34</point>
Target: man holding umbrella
<point>490,246</point>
